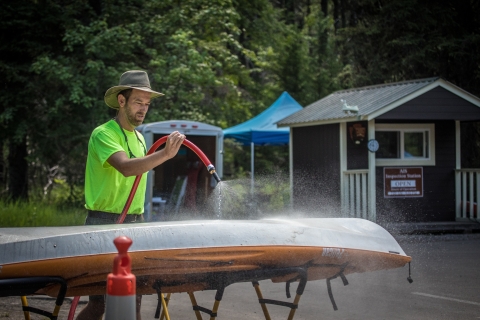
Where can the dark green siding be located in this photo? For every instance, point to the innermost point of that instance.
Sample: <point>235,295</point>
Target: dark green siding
<point>316,170</point>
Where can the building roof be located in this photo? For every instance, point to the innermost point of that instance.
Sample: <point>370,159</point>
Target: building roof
<point>371,101</point>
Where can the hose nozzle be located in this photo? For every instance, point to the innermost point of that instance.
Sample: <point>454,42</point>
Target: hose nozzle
<point>211,170</point>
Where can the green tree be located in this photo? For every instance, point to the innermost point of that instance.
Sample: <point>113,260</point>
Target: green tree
<point>387,41</point>
<point>70,52</point>
<point>28,29</point>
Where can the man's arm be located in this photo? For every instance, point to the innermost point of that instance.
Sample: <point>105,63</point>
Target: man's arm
<point>137,166</point>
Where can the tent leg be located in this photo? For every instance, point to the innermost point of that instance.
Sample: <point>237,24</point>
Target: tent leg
<point>252,166</point>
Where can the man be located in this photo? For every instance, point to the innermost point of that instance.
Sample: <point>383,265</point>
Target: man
<point>116,155</point>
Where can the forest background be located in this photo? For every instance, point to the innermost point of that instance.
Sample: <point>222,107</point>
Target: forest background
<point>217,61</point>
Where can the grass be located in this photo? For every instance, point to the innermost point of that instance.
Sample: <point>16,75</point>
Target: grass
<point>38,214</point>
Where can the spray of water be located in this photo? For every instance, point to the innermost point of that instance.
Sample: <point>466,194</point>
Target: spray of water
<point>272,196</point>
<point>269,196</point>
<point>219,209</point>
<point>227,201</point>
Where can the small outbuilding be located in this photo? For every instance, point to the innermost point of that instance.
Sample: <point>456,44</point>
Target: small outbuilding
<point>389,152</point>
<point>183,183</point>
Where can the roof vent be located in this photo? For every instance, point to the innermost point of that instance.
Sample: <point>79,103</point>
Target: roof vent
<point>348,109</point>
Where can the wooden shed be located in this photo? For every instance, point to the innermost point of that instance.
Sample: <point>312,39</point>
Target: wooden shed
<point>388,152</point>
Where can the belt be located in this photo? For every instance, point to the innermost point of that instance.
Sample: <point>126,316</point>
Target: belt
<point>114,216</point>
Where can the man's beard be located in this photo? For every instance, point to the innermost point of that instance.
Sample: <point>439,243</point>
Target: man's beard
<point>131,117</point>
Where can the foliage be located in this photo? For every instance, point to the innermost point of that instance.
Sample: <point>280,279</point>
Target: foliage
<point>33,27</point>
<point>39,214</point>
<point>220,62</point>
<point>192,51</point>
<point>385,41</point>
<point>309,65</point>
<point>268,160</point>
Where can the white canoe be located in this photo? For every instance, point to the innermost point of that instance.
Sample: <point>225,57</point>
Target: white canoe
<point>187,256</point>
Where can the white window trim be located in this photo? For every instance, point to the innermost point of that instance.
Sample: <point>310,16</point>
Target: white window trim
<point>405,127</point>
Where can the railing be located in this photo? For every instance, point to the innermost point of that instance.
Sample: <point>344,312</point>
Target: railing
<point>467,194</point>
<point>355,194</point>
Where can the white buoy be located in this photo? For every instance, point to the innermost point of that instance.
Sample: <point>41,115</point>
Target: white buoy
<point>121,284</point>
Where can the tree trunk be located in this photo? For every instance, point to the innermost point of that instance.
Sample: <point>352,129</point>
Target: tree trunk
<point>323,36</point>
<point>3,171</point>
<point>336,10</point>
<point>18,170</point>
<point>324,5</point>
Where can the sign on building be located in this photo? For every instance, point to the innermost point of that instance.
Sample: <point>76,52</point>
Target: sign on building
<point>403,182</point>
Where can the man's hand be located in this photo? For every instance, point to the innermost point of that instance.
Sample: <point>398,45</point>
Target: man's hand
<point>133,167</point>
<point>174,141</point>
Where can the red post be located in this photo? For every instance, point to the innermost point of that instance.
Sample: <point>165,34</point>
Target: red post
<point>121,284</point>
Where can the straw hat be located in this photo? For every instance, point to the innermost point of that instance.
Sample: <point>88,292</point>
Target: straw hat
<point>133,79</point>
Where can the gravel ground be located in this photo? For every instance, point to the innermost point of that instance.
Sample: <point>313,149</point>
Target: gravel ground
<point>425,238</point>
<point>11,307</point>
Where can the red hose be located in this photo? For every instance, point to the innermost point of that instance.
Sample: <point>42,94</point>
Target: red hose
<point>73,307</point>
<point>152,149</point>
<point>120,220</point>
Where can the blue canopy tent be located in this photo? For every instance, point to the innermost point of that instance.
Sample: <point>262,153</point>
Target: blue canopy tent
<point>262,129</point>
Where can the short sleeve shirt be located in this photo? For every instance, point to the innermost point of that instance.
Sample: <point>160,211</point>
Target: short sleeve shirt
<point>106,189</point>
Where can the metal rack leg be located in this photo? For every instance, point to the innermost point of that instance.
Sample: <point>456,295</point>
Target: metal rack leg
<point>195,305</point>
<point>292,305</point>
<point>164,313</point>
<point>29,285</point>
<point>295,303</point>
<point>25,304</point>
<point>165,307</point>
<point>256,285</point>
<point>162,302</point>
<point>216,304</point>
<point>299,292</point>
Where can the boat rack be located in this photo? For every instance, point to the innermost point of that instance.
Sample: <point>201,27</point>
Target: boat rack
<point>214,281</point>
<point>220,280</point>
<point>27,286</point>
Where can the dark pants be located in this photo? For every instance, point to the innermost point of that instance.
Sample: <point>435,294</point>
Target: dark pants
<point>99,217</point>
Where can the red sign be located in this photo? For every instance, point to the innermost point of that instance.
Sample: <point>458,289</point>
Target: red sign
<point>403,182</point>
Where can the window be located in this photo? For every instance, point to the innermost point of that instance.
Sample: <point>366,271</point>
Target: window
<point>405,144</point>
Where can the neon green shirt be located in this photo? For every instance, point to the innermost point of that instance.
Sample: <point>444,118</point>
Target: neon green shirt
<point>106,189</point>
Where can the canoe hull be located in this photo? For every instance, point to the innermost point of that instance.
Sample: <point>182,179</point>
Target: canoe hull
<point>185,265</point>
